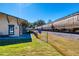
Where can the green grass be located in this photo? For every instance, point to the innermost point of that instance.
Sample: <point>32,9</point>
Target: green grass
<point>34,48</point>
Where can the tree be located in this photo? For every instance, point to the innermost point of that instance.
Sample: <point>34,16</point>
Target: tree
<point>25,23</point>
<point>39,23</point>
<point>34,24</point>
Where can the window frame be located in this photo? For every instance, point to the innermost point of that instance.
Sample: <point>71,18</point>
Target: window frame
<point>11,28</point>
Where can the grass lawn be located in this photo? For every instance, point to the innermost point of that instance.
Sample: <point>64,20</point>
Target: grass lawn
<point>34,48</point>
<point>68,47</point>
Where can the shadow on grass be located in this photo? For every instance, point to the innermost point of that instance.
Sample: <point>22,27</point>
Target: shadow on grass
<point>15,40</point>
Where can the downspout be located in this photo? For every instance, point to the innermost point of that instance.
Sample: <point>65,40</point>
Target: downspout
<point>18,25</point>
<point>7,19</point>
<point>8,22</point>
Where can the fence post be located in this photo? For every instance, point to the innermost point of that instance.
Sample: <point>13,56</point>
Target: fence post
<point>47,37</point>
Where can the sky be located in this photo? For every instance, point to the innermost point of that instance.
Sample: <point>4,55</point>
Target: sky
<point>36,11</point>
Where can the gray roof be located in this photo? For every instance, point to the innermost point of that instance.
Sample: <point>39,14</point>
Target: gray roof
<point>12,16</point>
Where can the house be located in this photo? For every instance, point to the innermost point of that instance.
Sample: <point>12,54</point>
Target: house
<point>11,25</point>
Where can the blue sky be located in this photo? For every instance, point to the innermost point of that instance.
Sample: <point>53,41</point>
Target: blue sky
<point>35,11</point>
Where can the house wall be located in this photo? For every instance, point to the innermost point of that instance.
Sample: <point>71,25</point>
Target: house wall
<point>3,25</point>
<point>20,31</point>
<point>13,21</point>
<point>4,22</point>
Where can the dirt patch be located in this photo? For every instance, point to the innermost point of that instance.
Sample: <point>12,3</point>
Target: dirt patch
<point>65,46</point>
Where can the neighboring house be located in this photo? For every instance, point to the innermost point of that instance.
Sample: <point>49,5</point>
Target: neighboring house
<point>11,25</point>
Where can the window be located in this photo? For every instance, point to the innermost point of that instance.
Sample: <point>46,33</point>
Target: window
<point>11,29</point>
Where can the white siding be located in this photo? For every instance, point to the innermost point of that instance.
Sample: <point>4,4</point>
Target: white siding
<point>13,21</point>
<point>3,25</point>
